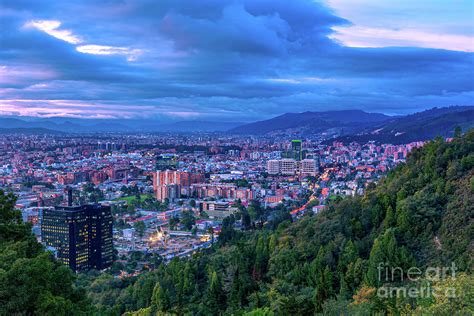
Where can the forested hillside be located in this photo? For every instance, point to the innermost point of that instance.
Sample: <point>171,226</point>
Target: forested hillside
<point>31,281</point>
<point>420,216</point>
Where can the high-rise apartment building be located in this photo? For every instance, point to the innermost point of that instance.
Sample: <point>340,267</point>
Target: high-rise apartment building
<point>182,178</point>
<point>80,236</point>
<point>168,183</point>
<point>167,191</point>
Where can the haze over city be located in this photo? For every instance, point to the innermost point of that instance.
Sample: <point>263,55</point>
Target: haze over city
<point>232,60</point>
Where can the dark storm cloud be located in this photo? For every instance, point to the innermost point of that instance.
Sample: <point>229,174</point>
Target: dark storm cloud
<point>247,59</point>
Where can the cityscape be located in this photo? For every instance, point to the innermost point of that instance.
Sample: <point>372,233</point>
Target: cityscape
<point>166,202</point>
<point>241,158</point>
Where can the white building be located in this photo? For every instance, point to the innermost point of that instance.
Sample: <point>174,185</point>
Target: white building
<point>273,166</point>
<point>288,166</point>
<point>308,167</point>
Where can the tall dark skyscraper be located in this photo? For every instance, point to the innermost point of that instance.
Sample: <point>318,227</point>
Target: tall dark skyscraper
<point>81,236</point>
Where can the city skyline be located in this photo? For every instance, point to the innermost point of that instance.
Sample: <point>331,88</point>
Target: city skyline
<point>232,60</point>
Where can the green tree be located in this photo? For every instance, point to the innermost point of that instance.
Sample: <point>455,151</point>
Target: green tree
<point>454,296</point>
<point>457,132</point>
<point>32,282</point>
<point>173,222</point>
<point>261,258</point>
<point>215,299</point>
<point>265,311</point>
<point>161,300</point>
<point>387,260</point>
<point>139,228</point>
<point>390,219</point>
<point>188,220</point>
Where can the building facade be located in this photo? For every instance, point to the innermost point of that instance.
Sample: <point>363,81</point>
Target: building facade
<point>308,167</point>
<point>273,166</point>
<point>80,236</point>
<point>289,167</point>
<point>168,184</point>
<point>296,151</point>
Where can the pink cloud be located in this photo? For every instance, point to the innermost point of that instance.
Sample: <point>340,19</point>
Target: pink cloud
<point>85,109</point>
<point>13,75</point>
<point>359,36</point>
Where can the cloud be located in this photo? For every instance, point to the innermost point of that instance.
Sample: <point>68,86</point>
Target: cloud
<point>131,54</point>
<point>242,60</point>
<point>358,36</point>
<point>17,76</point>
<point>52,28</point>
<point>421,23</point>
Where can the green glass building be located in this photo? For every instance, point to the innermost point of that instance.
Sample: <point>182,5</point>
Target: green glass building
<point>296,151</point>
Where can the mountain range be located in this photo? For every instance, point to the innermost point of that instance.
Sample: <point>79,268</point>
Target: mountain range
<point>31,131</point>
<point>424,125</point>
<point>345,125</point>
<point>360,126</point>
<point>345,122</point>
<point>72,125</point>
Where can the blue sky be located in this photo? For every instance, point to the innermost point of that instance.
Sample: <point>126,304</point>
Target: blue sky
<point>232,60</point>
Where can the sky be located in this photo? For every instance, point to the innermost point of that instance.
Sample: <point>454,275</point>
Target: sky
<point>232,60</point>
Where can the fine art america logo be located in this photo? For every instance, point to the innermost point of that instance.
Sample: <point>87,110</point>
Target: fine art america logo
<point>387,273</point>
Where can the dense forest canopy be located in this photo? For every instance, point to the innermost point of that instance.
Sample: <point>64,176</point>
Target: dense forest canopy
<point>343,260</point>
<point>32,282</point>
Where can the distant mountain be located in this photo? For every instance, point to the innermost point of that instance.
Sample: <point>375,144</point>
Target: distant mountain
<point>345,126</point>
<point>39,131</point>
<point>71,125</point>
<point>198,126</point>
<point>67,126</point>
<point>340,122</point>
<point>419,126</point>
